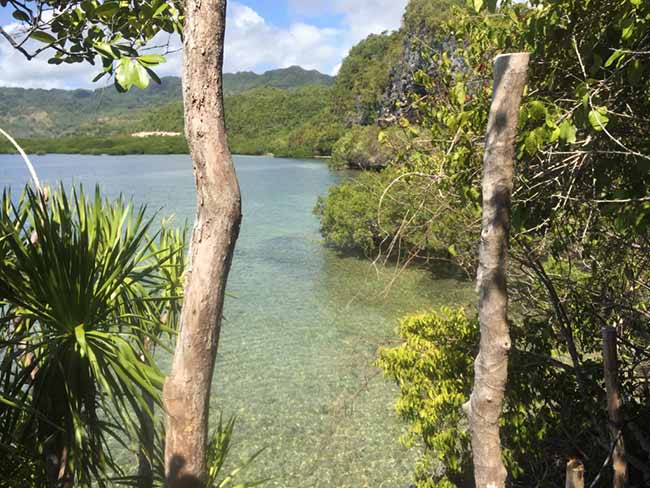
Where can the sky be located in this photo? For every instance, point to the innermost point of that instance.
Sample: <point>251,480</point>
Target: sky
<point>260,35</point>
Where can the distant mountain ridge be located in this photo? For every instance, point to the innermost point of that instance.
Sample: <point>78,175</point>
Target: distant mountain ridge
<point>39,113</point>
<point>285,78</point>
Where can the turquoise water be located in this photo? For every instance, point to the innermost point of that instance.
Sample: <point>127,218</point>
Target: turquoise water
<point>302,323</point>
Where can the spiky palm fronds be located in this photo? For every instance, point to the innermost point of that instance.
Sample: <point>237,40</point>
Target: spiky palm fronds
<point>81,291</point>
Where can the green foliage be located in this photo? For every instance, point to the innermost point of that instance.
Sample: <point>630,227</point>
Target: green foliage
<point>368,214</point>
<point>43,114</point>
<point>281,122</point>
<point>37,113</point>
<point>218,451</point>
<point>285,78</point>
<point>580,223</point>
<point>434,369</point>
<point>117,145</point>
<point>83,287</point>
<point>363,78</point>
<point>81,31</point>
<point>362,147</point>
<point>293,121</point>
<point>348,215</point>
<point>167,118</point>
<point>428,14</point>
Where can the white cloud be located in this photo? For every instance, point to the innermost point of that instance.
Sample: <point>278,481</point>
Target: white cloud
<point>252,43</point>
<point>361,17</point>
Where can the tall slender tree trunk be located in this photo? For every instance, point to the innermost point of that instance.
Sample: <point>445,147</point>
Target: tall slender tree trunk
<point>187,389</point>
<point>614,407</point>
<point>491,366</point>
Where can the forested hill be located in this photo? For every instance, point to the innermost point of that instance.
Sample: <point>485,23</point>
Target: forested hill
<point>286,112</point>
<point>37,113</point>
<point>292,77</point>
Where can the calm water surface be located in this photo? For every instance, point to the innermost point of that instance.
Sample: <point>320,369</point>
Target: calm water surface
<point>302,323</point>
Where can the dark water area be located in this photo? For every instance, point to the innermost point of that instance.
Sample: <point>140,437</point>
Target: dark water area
<point>302,323</point>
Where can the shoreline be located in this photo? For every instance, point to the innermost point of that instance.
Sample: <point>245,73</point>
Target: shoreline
<point>97,154</point>
<point>124,146</point>
<point>100,154</point>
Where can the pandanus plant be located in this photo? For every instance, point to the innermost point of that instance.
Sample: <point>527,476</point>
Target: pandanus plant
<point>85,292</point>
<point>86,295</point>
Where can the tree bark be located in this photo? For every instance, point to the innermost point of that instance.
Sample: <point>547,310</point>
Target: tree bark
<point>187,390</point>
<point>491,366</point>
<point>575,474</point>
<point>614,407</point>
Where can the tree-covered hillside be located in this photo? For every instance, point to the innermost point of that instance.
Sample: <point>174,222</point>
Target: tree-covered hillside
<point>286,112</point>
<point>292,77</point>
<point>53,113</point>
<point>296,123</point>
<point>37,113</point>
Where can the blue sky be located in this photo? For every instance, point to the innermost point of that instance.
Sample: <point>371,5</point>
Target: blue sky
<point>261,35</point>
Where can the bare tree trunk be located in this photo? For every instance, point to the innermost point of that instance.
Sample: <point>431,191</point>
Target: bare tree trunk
<point>491,366</point>
<point>614,404</point>
<point>575,474</point>
<point>187,390</point>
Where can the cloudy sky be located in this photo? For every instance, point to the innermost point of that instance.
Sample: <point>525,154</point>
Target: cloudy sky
<point>261,35</point>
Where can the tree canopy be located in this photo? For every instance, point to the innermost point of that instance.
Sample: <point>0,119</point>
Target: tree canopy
<point>118,34</point>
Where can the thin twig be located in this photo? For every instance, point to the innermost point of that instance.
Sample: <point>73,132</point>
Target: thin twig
<point>28,163</point>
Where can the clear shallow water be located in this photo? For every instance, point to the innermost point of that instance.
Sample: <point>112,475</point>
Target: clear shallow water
<point>302,325</point>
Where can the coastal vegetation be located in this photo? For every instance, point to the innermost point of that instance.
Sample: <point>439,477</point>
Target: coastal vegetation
<point>412,108</point>
<point>88,289</point>
<point>101,145</point>
<point>295,122</point>
<point>579,231</point>
<point>76,313</point>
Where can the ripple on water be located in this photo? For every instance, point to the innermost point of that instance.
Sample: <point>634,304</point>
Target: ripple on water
<point>302,323</point>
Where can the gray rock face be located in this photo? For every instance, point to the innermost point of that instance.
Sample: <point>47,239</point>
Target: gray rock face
<point>419,53</point>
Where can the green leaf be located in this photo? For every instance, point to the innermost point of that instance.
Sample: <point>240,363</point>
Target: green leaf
<point>124,73</point>
<point>141,77</point>
<point>153,75</point>
<point>492,5</point>
<point>598,118</point>
<point>478,5</point>
<point>161,9</point>
<point>459,94</point>
<point>612,59</point>
<point>80,335</point>
<point>106,50</point>
<point>532,142</point>
<point>568,132</point>
<point>100,76</point>
<point>635,72</point>
<point>87,6</point>
<point>628,29</point>
<point>20,15</point>
<point>537,110</point>
<point>43,37</point>
<point>129,72</point>
<point>107,9</point>
<point>152,59</point>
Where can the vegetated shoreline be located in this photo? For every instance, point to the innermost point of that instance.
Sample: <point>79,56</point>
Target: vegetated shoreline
<point>126,146</point>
